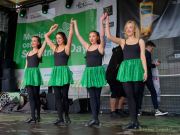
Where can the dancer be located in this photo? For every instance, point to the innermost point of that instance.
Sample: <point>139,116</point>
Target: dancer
<point>61,76</point>
<point>133,69</point>
<point>94,75</point>
<point>32,77</point>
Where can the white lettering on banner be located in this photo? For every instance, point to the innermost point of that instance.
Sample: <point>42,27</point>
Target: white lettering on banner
<point>26,45</point>
<point>28,36</point>
<point>48,53</point>
<point>78,49</point>
<point>24,53</point>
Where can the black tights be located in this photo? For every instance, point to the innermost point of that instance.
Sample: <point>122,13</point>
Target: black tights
<point>133,90</point>
<point>95,94</point>
<point>34,99</point>
<point>61,99</point>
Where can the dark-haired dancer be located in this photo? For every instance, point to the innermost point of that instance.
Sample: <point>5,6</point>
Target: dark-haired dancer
<point>133,69</point>
<point>61,76</point>
<point>32,77</point>
<point>94,75</point>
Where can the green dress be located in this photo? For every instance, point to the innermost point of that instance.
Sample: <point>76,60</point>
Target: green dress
<point>94,73</point>
<point>32,75</point>
<point>131,69</point>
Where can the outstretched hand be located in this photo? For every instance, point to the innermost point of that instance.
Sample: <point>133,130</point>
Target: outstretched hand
<point>103,16</point>
<point>106,14</point>
<point>54,27</point>
<point>73,21</point>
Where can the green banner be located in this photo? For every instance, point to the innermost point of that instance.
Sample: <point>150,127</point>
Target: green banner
<point>86,22</point>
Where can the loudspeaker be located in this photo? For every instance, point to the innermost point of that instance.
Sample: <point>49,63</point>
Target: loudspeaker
<point>51,101</point>
<point>8,63</point>
<point>84,105</point>
<point>8,73</point>
<point>9,85</point>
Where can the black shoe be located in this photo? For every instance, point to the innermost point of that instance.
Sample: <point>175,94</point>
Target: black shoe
<point>92,123</point>
<point>121,113</point>
<point>114,114</point>
<point>30,120</point>
<point>59,122</point>
<point>38,119</point>
<point>136,125</point>
<point>132,125</point>
<point>67,120</point>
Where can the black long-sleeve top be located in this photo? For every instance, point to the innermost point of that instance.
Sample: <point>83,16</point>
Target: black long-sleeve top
<point>150,65</point>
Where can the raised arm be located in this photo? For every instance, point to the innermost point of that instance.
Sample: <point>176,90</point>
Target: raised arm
<point>26,64</point>
<point>114,39</point>
<point>41,50</point>
<point>26,61</point>
<point>48,40</point>
<point>69,41</point>
<point>81,40</point>
<point>143,58</point>
<point>102,33</point>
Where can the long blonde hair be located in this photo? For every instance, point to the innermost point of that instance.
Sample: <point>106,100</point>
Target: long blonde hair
<point>136,29</point>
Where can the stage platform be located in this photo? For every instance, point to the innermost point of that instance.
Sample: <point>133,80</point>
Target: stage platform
<point>13,124</point>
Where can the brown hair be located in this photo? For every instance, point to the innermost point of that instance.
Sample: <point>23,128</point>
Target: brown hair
<point>39,40</point>
<point>97,33</point>
<point>63,35</point>
<point>150,43</point>
<point>39,46</point>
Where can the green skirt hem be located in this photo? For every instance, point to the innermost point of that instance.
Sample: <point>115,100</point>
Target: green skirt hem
<point>130,70</point>
<point>93,77</point>
<point>61,75</point>
<point>32,77</point>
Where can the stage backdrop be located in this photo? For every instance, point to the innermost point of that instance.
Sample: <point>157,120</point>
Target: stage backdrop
<point>87,14</point>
